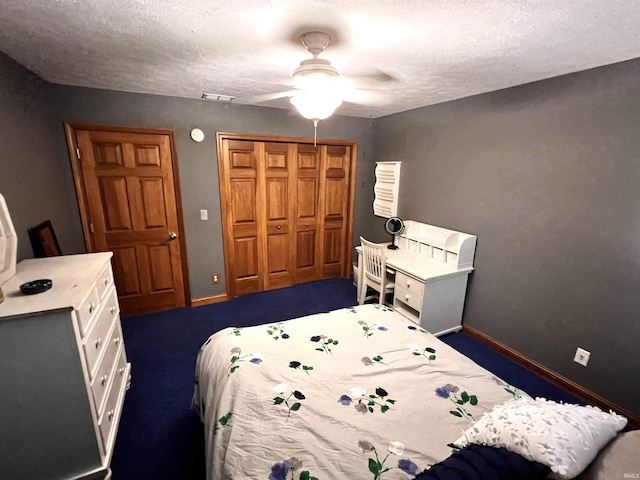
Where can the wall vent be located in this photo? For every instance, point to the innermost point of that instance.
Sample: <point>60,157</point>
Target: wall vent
<point>217,97</point>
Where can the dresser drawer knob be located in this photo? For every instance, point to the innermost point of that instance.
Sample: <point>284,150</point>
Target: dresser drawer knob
<point>408,283</point>
<point>103,380</point>
<point>110,415</point>
<point>106,281</point>
<point>98,342</point>
<point>92,308</point>
<point>406,297</point>
<point>117,340</point>
<point>112,309</point>
<point>121,371</point>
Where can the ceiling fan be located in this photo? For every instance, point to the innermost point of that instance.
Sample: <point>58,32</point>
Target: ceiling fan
<point>316,95</point>
<point>318,88</point>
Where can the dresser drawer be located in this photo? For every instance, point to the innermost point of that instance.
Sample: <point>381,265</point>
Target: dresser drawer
<point>96,340</point>
<point>416,287</point>
<point>408,297</point>
<point>87,311</point>
<point>106,369</point>
<point>111,413</point>
<point>104,281</point>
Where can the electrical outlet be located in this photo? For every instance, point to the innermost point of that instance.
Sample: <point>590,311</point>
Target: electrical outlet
<point>204,215</point>
<point>582,357</point>
<point>215,278</point>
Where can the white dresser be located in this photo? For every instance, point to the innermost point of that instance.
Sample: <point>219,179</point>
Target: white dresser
<point>63,370</point>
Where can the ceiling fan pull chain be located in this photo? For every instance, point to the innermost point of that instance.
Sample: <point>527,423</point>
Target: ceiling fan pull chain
<point>315,131</point>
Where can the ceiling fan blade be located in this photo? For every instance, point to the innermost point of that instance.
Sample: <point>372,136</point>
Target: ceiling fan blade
<point>376,79</point>
<point>266,97</point>
<point>366,97</point>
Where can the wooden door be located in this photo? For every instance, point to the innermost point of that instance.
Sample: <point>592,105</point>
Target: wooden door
<point>278,213</point>
<point>240,188</point>
<point>307,260</point>
<point>128,192</point>
<point>334,207</point>
<point>287,210</point>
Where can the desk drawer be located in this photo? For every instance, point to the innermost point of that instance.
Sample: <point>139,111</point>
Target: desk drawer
<point>408,297</point>
<point>415,287</point>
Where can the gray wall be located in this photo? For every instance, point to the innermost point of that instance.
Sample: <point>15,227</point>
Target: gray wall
<point>40,163</point>
<point>547,175</point>
<point>35,182</point>
<point>198,166</point>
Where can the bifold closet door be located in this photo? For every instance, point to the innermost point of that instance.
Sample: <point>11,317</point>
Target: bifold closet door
<point>278,212</point>
<point>322,211</point>
<point>241,187</point>
<point>258,208</point>
<point>307,213</point>
<point>334,205</point>
<point>285,212</point>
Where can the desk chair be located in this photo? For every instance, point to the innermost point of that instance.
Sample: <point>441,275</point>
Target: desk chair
<point>374,272</point>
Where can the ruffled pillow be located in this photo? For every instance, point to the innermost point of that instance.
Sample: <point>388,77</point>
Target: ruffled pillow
<point>564,437</point>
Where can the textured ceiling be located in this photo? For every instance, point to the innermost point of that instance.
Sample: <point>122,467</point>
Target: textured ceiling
<point>401,54</point>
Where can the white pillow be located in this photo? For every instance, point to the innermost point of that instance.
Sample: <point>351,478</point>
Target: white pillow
<point>563,436</point>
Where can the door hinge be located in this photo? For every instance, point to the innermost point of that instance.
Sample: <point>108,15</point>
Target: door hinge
<point>91,228</point>
<point>78,153</point>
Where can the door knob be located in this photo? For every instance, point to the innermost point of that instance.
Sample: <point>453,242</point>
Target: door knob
<point>173,236</point>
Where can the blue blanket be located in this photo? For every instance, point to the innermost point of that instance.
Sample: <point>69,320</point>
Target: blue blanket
<point>480,462</point>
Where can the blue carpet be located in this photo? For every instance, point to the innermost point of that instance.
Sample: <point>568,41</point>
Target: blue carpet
<point>160,438</point>
<point>510,372</point>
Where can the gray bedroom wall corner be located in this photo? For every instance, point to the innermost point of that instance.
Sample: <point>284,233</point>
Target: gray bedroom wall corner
<point>35,176</point>
<point>546,175</point>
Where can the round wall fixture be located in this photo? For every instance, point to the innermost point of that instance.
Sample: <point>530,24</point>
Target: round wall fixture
<point>197,135</point>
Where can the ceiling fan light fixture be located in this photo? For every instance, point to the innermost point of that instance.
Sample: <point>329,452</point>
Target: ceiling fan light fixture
<point>315,67</point>
<point>315,72</point>
<point>315,105</point>
<point>316,97</point>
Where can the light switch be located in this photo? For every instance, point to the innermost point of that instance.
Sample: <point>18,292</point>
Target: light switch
<point>204,214</point>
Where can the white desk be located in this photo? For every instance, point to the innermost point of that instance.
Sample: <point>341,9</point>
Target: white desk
<point>428,291</point>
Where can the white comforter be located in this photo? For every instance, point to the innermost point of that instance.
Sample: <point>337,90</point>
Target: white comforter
<point>355,393</point>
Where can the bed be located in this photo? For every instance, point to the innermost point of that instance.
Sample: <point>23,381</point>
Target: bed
<point>355,393</point>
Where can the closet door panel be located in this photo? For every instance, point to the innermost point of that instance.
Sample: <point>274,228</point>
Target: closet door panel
<point>243,201</point>
<point>307,213</point>
<point>335,209</point>
<point>245,230</point>
<point>240,187</point>
<point>278,172</point>
<point>246,265</point>
<point>306,252</point>
<point>333,252</point>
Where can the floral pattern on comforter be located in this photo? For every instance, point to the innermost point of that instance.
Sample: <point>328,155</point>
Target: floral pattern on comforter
<point>359,392</point>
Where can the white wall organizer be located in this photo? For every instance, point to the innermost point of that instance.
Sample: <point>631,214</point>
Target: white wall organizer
<point>446,246</point>
<point>386,189</point>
